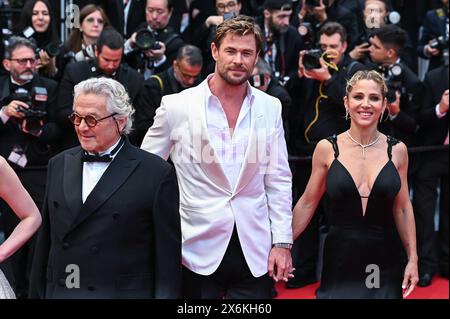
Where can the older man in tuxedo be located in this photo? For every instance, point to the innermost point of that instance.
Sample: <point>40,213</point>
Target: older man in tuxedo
<point>227,142</point>
<point>111,223</point>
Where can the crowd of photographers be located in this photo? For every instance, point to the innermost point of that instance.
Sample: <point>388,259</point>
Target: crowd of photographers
<point>310,48</point>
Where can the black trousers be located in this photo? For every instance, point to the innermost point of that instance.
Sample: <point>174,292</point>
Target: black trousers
<point>431,173</point>
<point>20,263</point>
<point>231,280</point>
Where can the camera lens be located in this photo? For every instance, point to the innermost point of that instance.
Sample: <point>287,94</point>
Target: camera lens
<point>145,39</point>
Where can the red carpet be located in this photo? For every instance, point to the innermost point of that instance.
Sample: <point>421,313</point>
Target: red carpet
<point>439,289</point>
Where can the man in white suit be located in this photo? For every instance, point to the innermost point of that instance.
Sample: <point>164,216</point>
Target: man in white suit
<point>227,142</point>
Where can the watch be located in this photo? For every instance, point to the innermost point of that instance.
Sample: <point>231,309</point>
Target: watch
<point>283,245</point>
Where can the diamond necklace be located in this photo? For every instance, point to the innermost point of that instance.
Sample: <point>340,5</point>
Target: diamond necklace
<point>362,145</point>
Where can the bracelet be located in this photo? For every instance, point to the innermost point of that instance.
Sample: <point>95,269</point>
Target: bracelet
<point>283,245</point>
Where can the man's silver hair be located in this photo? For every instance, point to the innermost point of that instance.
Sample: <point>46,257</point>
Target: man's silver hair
<point>117,99</point>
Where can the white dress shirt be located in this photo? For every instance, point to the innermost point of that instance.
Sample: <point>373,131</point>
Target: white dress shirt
<point>93,171</point>
<point>229,147</point>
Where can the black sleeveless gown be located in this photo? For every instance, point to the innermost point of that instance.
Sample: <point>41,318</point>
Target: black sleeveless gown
<point>362,256</point>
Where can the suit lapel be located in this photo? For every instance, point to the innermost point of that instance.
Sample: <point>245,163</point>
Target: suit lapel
<point>203,150</point>
<point>115,175</point>
<point>4,87</point>
<point>256,148</point>
<point>73,168</point>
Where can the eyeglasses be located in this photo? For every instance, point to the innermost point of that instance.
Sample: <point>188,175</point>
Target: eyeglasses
<point>24,62</point>
<point>90,120</point>
<point>92,20</point>
<point>230,6</point>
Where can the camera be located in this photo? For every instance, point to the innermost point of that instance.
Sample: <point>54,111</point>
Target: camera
<point>311,59</point>
<point>85,53</point>
<point>393,81</point>
<point>52,49</point>
<point>36,112</point>
<point>146,40</point>
<point>228,15</point>
<point>440,43</point>
<point>306,31</point>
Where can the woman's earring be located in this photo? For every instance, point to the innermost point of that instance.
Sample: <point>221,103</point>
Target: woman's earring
<point>346,114</point>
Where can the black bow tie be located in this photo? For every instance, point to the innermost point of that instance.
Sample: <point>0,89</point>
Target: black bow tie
<point>105,158</point>
<point>96,158</point>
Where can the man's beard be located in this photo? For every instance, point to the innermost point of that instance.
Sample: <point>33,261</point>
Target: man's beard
<point>26,76</point>
<point>277,29</point>
<point>234,81</point>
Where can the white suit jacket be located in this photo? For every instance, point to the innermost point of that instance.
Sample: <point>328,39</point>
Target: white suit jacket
<point>259,204</point>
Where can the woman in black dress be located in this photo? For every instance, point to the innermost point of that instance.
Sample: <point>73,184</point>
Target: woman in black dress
<point>364,175</point>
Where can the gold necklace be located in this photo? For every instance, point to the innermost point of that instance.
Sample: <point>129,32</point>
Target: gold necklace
<point>362,145</point>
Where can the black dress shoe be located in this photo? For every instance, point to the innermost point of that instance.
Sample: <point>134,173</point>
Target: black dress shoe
<point>425,280</point>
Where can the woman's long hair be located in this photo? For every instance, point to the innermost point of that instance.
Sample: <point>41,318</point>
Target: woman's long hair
<point>44,38</point>
<point>75,39</point>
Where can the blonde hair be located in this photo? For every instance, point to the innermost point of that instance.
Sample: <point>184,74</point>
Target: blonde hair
<point>241,25</point>
<point>367,75</point>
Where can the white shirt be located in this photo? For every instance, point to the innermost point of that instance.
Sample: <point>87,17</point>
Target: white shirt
<point>93,171</point>
<point>229,149</point>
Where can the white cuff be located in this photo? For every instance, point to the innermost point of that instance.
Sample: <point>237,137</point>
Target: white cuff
<point>438,113</point>
<point>392,117</point>
<point>3,116</point>
<point>160,61</point>
<point>127,49</point>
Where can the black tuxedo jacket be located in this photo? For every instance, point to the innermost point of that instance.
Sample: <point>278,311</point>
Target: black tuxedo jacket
<point>433,130</point>
<point>38,150</point>
<point>79,71</point>
<point>114,11</point>
<point>125,238</point>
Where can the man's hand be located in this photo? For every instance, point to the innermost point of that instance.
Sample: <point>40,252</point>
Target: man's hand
<point>213,20</point>
<point>156,54</point>
<point>322,74</point>
<point>43,60</point>
<point>429,51</point>
<point>13,109</point>
<point>443,104</point>
<point>320,12</point>
<point>37,133</point>
<point>360,51</point>
<point>394,107</point>
<point>280,264</point>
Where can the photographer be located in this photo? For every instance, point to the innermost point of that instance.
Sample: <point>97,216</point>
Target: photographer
<point>184,73</point>
<point>80,45</point>
<point>37,22</point>
<point>433,40</point>
<point>404,88</point>
<point>154,47</point>
<point>319,12</point>
<point>107,63</point>
<point>28,135</point>
<point>319,112</point>
<point>281,42</point>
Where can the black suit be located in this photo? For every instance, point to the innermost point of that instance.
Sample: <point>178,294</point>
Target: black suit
<point>38,150</point>
<point>434,25</point>
<point>125,238</point>
<point>83,70</point>
<point>115,13</point>
<point>432,172</point>
<point>404,125</point>
<point>154,89</point>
